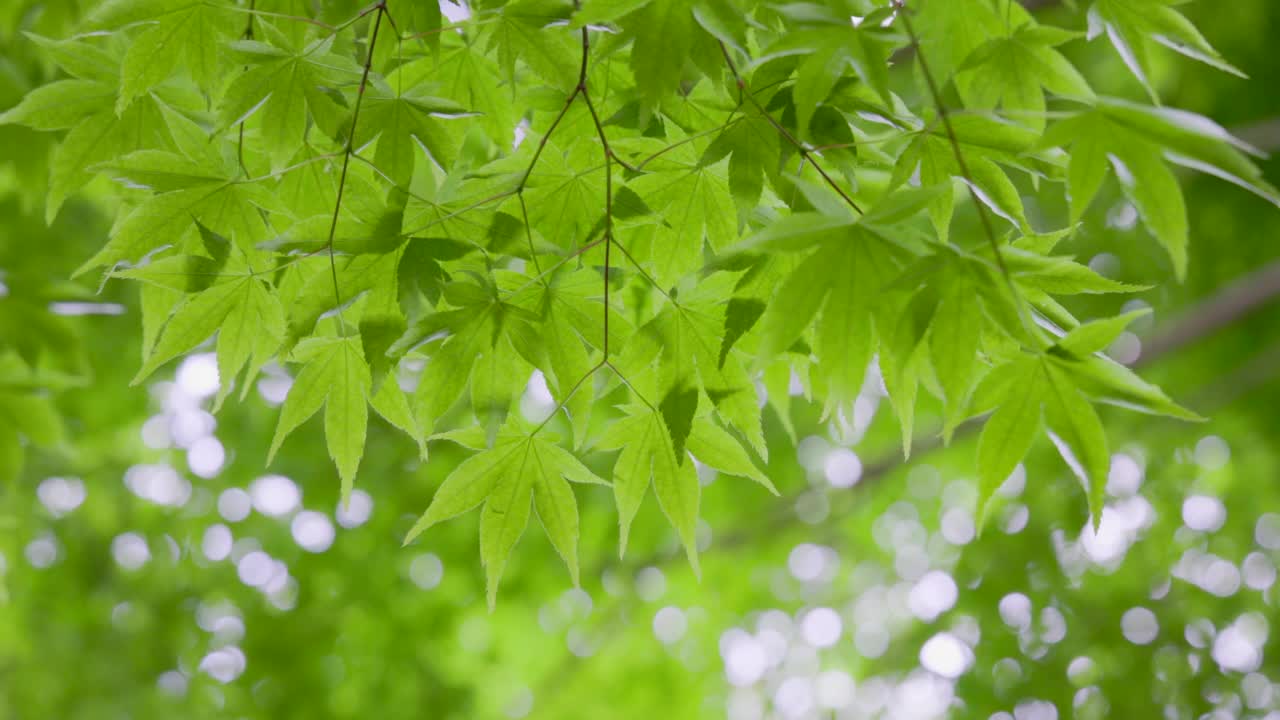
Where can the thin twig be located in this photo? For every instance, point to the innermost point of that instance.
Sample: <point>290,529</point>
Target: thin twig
<point>643,273</point>
<point>608,150</point>
<point>608,180</point>
<point>608,245</point>
<point>983,217</point>
<point>463,210</point>
<point>805,151</point>
<point>542,143</point>
<point>528,233</point>
<point>348,151</point>
<point>558,264</point>
<point>248,35</point>
<point>640,396</point>
<point>561,405</point>
<point>275,174</point>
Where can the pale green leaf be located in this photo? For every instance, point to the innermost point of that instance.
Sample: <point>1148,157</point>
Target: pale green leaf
<point>664,39</point>
<point>558,513</point>
<point>346,411</point>
<point>59,105</point>
<point>1077,431</point>
<point>675,482</point>
<point>953,347</point>
<point>1008,433</point>
<point>335,375</point>
<point>502,522</point>
<point>1098,335</point>
<point>715,447</point>
<point>1154,189</point>
<point>468,485</point>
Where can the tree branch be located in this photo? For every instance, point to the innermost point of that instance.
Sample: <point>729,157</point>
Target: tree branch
<point>1028,325</point>
<point>805,151</point>
<point>348,151</point>
<point>1222,309</point>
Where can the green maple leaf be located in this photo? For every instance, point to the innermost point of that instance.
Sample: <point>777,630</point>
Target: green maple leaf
<point>715,447</point>
<point>60,105</point>
<point>987,145</point>
<point>187,194</point>
<point>1012,428</point>
<point>565,195</point>
<point>175,33</point>
<point>955,334</point>
<point>227,298</point>
<point>400,118</point>
<point>470,78</point>
<point>1036,392</point>
<point>335,375</point>
<point>837,284</point>
<point>682,345</point>
<point>567,333</point>
<point>480,318</point>
<point>526,30</point>
<point>828,50</point>
<point>517,472</point>
<point>366,274</point>
<point>648,457</point>
<point>952,31</point>
<point>1132,26</point>
<point>692,207</point>
<point>754,149</point>
<point>664,39</point>
<point>1058,387</point>
<point>280,87</point>
<point>1138,144</point>
<point>85,107</point>
<point>1014,72</point>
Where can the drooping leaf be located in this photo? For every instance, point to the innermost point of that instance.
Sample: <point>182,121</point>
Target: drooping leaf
<point>1077,431</point>
<point>518,472</point>
<point>336,375</point>
<point>1007,435</point>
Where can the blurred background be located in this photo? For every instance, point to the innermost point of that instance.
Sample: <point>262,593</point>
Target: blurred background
<point>160,571</point>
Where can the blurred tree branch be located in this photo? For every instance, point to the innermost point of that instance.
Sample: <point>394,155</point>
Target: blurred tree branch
<point>1264,134</point>
<point>1221,310</point>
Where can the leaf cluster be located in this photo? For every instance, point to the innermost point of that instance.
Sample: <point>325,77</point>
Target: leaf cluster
<point>669,214</point>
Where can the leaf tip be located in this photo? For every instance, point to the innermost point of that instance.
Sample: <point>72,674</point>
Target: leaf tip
<point>423,524</point>
<point>692,552</point>
<point>981,524</point>
<point>275,447</point>
<point>624,528</point>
